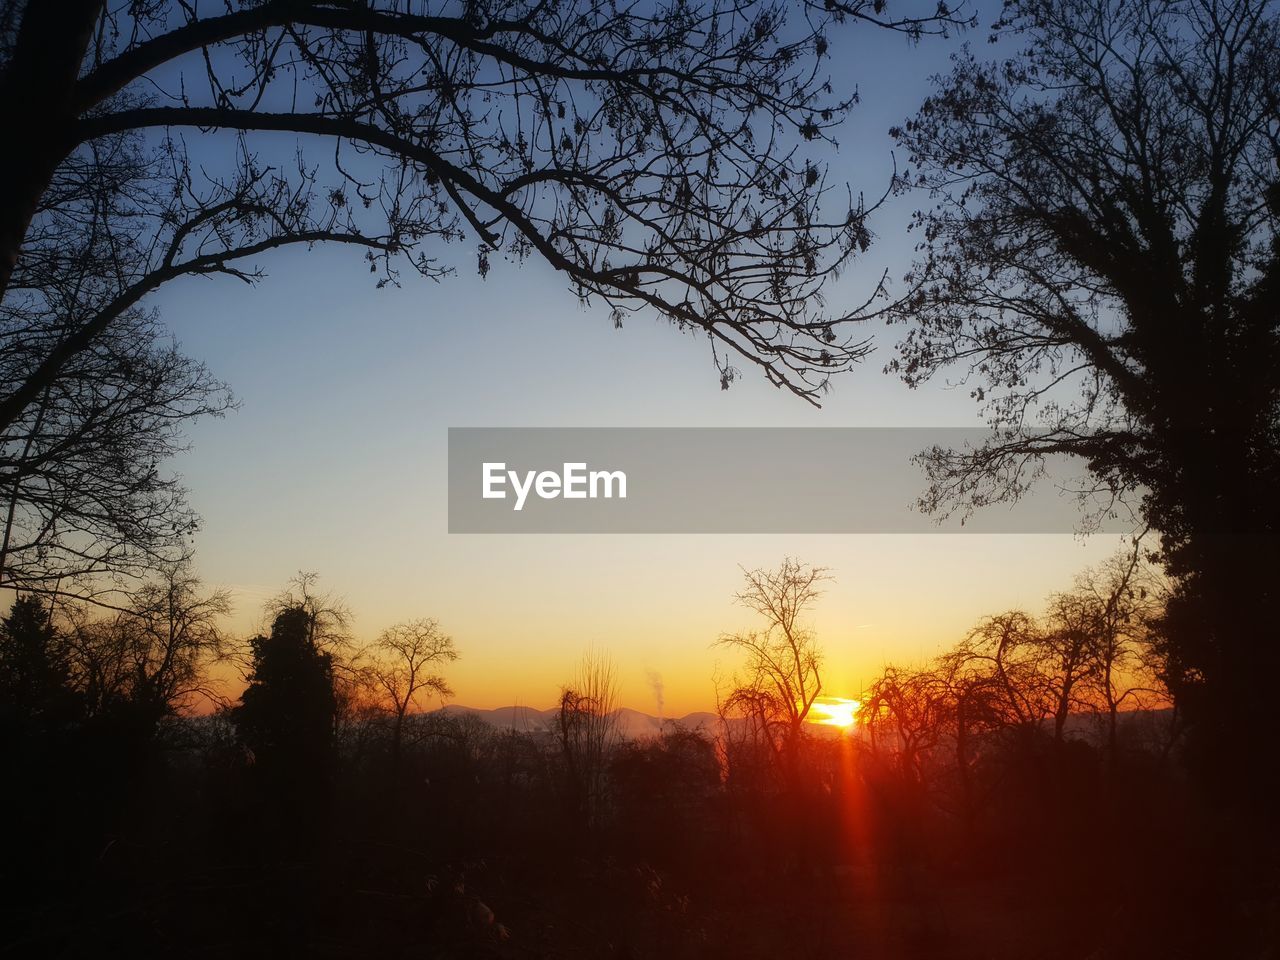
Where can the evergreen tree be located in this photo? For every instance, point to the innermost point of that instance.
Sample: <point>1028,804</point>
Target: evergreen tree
<point>286,715</point>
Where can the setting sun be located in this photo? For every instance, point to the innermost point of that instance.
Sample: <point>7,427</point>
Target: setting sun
<point>834,711</point>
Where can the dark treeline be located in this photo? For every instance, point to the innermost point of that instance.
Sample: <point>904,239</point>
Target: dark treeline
<point>1023,795</point>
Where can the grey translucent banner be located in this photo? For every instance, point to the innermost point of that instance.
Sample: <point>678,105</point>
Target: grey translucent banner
<point>730,480</point>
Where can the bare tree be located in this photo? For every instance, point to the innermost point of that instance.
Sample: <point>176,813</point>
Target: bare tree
<point>1101,265</point>
<point>781,678</point>
<point>1121,600</point>
<point>82,456</point>
<point>1066,648</point>
<point>328,617</point>
<point>940,19</point>
<point>587,729</point>
<point>1003,651</point>
<point>913,708</point>
<point>87,504</point>
<point>154,656</point>
<point>651,154</point>
<point>1089,654</point>
<point>402,666</point>
<point>656,157</point>
<point>977,710</point>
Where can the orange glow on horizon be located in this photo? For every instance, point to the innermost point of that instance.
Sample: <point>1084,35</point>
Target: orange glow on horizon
<point>834,711</point>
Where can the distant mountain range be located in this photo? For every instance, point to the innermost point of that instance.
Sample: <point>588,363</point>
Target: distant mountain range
<point>635,725</point>
<point>632,724</point>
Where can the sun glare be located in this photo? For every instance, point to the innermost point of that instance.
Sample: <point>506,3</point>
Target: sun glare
<point>834,711</point>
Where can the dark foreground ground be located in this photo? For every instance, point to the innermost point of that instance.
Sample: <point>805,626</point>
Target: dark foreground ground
<point>469,853</point>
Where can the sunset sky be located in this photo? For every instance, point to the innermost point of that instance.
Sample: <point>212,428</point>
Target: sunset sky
<point>335,461</point>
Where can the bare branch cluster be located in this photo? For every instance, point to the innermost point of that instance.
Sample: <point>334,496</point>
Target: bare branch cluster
<point>1024,680</point>
<point>1099,265</point>
<point>781,677</point>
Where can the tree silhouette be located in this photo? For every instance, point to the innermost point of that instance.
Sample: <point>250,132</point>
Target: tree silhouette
<point>403,660</point>
<point>586,728</point>
<point>781,678</point>
<point>650,154</point>
<point>87,504</point>
<point>994,652</point>
<point>54,788</point>
<point>948,795</point>
<point>286,714</point>
<point>151,657</point>
<point>1118,605</point>
<point>327,615</point>
<point>1102,264</point>
<point>912,708</point>
<point>36,698</point>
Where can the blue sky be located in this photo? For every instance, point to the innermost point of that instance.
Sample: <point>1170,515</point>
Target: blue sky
<point>335,461</point>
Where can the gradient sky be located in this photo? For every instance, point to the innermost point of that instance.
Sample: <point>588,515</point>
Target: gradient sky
<point>335,461</point>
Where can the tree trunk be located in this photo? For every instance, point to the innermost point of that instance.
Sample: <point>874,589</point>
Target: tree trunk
<point>962,762</point>
<point>397,731</point>
<point>37,96</point>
